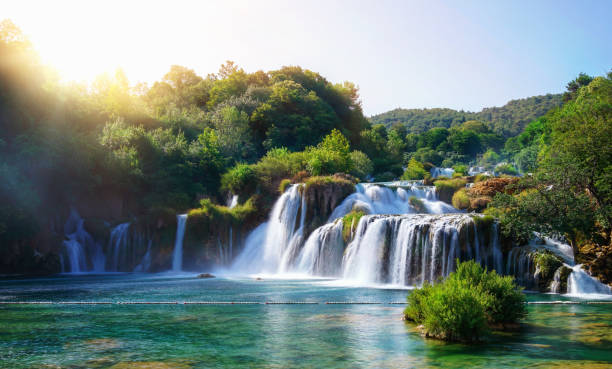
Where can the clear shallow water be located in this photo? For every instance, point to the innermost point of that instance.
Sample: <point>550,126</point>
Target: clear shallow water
<point>272,336</point>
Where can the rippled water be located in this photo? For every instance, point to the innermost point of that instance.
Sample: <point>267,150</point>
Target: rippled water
<point>272,336</point>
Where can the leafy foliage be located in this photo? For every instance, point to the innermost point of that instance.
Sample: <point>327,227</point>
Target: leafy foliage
<point>466,304</point>
<point>415,170</point>
<point>571,190</point>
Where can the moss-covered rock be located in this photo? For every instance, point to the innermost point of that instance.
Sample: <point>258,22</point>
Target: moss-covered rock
<point>546,265</point>
<point>446,188</point>
<point>417,204</point>
<point>461,200</point>
<point>349,224</point>
<point>322,195</point>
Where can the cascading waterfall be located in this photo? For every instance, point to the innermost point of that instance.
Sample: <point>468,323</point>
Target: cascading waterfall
<point>394,243</point>
<point>413,249</point>
<point>177,255</point>
<point>374,199</point>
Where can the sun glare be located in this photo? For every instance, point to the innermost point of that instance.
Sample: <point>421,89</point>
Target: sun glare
<point>87,39</point>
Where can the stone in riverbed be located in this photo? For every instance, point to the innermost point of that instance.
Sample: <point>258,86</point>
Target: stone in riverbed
<point>206,275</point>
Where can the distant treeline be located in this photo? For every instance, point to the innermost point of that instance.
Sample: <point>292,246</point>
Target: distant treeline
<point>508,120</point>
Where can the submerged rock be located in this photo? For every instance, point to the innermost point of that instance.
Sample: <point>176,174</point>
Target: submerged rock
<point>205,275</point>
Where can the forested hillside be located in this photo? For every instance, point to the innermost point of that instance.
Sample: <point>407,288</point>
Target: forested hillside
<point>508,120</point>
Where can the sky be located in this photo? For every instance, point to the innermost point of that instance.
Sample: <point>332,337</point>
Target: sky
<point>462,54</point>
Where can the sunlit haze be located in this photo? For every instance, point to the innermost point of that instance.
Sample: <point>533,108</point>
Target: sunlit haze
<point>411,54</point>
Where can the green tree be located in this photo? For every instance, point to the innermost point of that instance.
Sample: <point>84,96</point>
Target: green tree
<point>414,170</point>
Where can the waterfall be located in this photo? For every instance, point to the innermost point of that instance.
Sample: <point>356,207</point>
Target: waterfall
<point>555,285</point>
<point>407,237</point>
<point>81,250</point>
<point>441,172</point>
<point>322,253</point>
<point>145,263</point>
<point>117,244</point>
<point>580,283</point>
<point>412,249</point>
<point>375,199</point>
<point>280,229</point>
<point>247,261</point>
<point>232,201</point>
<point>177,255</point>
<point>76,256</point>
<point>520,263</point>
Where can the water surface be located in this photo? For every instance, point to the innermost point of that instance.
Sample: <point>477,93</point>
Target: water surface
<point>268,336</point>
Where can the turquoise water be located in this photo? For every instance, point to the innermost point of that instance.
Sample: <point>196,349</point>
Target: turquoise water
<point>267,336</point>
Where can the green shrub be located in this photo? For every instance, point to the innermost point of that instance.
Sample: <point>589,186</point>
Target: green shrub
<point>506,169</point>
<point>211,215</point>
<point>414,170</point>
<point>330,156</point>
<point>361,165</point>
<point>454,312</point>
<point>461,169</point>
<point>467,304</point>
<point>417,203</point>
<point>461,200</point>
<point>241,179</point>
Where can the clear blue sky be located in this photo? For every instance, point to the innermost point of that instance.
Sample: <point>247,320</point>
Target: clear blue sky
<point>412,54</point>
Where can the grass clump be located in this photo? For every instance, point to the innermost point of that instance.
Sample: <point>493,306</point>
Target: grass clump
<point>461,199</point>
<point>481,177</point>
<point>467,305</point>
<point>283,185</point>
<point>450,184</point>
<point>349,222</point>
<point>341,180</point>
<point>417,203</point>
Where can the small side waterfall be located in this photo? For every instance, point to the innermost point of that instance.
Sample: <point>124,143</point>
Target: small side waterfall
<point>441,172</point>
<point>116,244</point>
<point>177,255</point>
<point>281,229</point>
<point>81,250</point>
<point>580,283</point>
<point>145,263</point>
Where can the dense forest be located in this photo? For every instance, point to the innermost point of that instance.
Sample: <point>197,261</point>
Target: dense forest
<point>508,120</point>
<point>187,142</point>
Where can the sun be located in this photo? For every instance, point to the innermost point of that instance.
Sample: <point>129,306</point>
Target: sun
<point>82,40</point>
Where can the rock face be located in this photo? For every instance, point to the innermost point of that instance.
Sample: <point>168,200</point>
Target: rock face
<point>597,260</point>
<point>322,195</point>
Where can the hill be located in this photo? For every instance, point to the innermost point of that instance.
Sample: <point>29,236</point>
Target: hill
<point>508,120</point>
